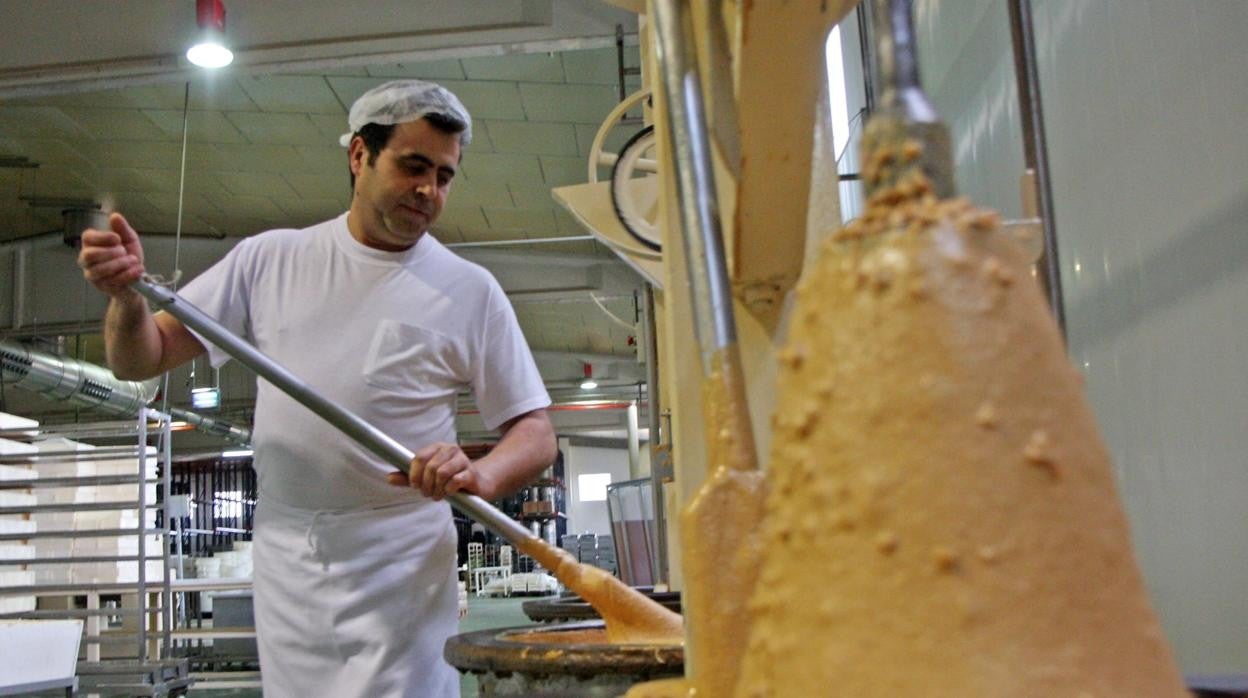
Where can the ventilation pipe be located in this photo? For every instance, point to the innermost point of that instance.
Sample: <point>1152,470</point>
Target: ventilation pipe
<point>77,220</point>
<point>216,427</point>
<point>61,378</point>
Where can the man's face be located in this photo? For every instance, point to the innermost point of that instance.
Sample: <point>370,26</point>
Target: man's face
<point>402,193</point>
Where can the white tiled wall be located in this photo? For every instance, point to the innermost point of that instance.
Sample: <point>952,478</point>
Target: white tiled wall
<point>1146,105</point>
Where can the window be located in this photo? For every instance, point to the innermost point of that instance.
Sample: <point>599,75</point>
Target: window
<point>592,487</point>
<point>229,505</point>
<point>836,91</point>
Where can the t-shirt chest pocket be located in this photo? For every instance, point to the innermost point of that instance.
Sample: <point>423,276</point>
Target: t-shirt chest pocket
<point>412,360</point>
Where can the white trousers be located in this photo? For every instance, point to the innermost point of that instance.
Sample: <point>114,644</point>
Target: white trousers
<point>355,603</point>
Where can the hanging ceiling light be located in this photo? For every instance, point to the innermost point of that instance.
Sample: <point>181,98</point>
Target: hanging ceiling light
<point>209,50</point>
<point>589,383</point>
<point>205,398</point>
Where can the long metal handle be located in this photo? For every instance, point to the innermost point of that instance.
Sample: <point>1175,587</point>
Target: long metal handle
<point>349,423</point>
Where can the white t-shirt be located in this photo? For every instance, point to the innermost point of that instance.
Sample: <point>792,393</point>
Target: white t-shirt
<point>390,336</point>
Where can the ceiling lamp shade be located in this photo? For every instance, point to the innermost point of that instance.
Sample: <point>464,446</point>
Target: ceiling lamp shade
<point>210,50</point>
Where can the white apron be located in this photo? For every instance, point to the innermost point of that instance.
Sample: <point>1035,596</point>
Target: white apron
<point>355,604</point>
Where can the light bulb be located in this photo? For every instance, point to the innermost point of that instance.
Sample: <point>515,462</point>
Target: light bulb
<point>589,384</point>
<point>209,54</point>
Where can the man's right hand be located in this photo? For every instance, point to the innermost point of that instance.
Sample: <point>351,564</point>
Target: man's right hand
<point>112,259</point>
<point>138,344</point>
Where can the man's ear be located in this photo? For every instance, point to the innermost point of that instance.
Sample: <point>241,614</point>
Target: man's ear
<point>357,155</point>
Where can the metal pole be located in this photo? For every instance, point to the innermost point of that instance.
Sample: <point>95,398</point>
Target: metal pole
<point>166,479</point>
<point>619,60</point>
<point>903,110</point>
<point>349,423</point>
<point>897,58</point>
<point>868,81</point>
<point>695,182</point>
<point>634,443</point>
<point>1035,147</point>
<point>141,601</point>
<point>656,438</point>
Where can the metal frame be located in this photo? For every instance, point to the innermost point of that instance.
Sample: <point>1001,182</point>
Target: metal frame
<point>148,650</point>
<point>1035,148</point>
<point>657,437</point>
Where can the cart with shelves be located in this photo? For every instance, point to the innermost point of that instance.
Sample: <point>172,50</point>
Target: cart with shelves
<point>79,503</point>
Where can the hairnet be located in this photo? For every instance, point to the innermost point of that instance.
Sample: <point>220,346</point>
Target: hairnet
<point>400,101</point>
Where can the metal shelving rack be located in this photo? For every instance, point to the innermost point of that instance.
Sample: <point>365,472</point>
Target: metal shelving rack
<point>144,668</point>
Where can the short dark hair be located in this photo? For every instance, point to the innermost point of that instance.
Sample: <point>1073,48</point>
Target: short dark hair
<point>377,136</point>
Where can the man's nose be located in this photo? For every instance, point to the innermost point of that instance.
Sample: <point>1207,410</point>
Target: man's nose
<point>426,184</point>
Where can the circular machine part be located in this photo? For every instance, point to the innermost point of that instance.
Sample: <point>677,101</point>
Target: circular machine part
<point>565,608</point>
<point>624,199</point>
<point>598,156</point>
<point>516,662</point>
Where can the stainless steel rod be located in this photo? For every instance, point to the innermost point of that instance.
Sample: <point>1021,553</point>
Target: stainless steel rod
<point>654,404</point>
<point>372,438</point>
<point>1035,147</point>
<point>897,61</point>
<point>142,540</point>
<point>165,448</point>
<point>904,111</point>
<point>695,181</point>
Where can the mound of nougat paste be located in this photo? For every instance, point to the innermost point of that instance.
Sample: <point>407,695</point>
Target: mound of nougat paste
<point>942,517</point>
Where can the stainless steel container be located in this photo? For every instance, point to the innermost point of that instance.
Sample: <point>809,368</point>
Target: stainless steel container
<point>520,662</point>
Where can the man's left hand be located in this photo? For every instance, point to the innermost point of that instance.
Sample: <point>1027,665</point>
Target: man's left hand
<point>440,469</point>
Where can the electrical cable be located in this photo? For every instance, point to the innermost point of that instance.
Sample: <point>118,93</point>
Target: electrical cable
<point>629,326</point>
<point>849,139</point>
<point>172,281</point>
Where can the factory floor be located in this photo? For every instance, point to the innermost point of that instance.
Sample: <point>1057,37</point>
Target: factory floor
<point>486,612</point>
<point>483,613</point>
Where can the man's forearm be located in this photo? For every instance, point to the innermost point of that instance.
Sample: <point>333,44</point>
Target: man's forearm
<point>526,449</point>
<point>132,340</point>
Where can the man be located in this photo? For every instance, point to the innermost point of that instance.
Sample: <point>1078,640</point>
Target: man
<point>355,587</point>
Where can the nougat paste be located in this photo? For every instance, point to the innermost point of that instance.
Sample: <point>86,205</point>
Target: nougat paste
<point>942,517</point>
<point>630,617</point>
<point>720,533</point>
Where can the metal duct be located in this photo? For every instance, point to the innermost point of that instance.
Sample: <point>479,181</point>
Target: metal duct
<point>62,378</point>
<point>216,427</point>
<point>80,218</point>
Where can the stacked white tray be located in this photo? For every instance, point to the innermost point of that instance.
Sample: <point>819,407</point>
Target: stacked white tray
<point>12,576</point>
<point>83,521</point>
